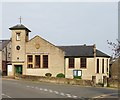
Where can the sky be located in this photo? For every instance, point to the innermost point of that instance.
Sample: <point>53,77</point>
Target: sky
<point>65,23</point>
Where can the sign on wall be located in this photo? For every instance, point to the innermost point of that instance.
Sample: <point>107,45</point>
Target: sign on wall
<point>77,72</point>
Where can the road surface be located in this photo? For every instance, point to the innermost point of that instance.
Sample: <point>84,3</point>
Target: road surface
<point>28,89</point>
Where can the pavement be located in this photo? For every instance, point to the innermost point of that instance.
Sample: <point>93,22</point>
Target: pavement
<point>13,89</point>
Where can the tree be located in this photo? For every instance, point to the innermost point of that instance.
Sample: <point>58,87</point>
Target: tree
<point>115,48</point>
<point>115,67</point>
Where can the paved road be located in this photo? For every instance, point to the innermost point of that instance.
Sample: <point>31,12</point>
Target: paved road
<point>28,89</point>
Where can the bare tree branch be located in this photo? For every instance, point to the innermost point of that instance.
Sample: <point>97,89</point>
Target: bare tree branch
<point>115,47</point>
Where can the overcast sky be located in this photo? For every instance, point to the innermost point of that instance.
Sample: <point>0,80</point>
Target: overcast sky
<point>67,23</point>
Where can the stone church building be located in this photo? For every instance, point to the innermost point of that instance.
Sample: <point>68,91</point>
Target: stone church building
<point>37,57</point>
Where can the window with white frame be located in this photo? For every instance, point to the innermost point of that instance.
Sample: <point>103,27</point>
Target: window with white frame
<point>83,62</point>
<point>45,61</point>
<point>17,36</point>
<point>37,61</point>
<point>30,61</point>
<point>71,62</point>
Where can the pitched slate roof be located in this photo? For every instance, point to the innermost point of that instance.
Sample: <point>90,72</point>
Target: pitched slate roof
<point>19,26</point>
<point>101,54</point>
<point>3,43</point>
<point>82,51</point>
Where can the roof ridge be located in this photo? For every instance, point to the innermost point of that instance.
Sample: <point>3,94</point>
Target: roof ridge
<point>44,40</point>
<point>41,38</point>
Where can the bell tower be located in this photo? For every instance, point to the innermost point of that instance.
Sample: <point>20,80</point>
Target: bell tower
<point>20,36</point>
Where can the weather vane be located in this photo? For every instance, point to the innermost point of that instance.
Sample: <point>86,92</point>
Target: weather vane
<point>20,19</point>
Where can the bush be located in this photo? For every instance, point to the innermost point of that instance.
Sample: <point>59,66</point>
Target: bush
<point>100,84</point>
<point>48,74</point>
<point>60,75</point>
<point>77,77</point>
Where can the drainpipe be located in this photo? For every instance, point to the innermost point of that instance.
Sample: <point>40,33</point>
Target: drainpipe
<point>94,53</point>
<point>6,60</point>
<point>64,67</point>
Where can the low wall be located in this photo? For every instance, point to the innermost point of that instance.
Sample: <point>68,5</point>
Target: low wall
<point>59,80</point>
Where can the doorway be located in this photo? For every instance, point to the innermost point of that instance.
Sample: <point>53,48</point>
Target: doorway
<point>18,69</point>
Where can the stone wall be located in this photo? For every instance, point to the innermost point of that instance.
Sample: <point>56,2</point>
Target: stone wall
<point>58,80</point>
<point>115,69</point>
<point>113,83</point>
<point>0,60</point>
<point>55,57</point>
<point>90,70</point>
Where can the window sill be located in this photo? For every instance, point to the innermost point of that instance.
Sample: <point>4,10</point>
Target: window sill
<point>44,68</point>
<point>39,68</point>
<point>29,68</point>
<point>98,73</point>
<point>71,68</point>
<point>82,68</point>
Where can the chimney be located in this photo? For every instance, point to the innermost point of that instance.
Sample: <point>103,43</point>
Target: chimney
<point>94,50</point>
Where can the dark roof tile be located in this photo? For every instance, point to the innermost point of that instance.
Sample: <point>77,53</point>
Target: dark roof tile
<point>19,26</point>
<point>3,43</point>
<point>81,51</point>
